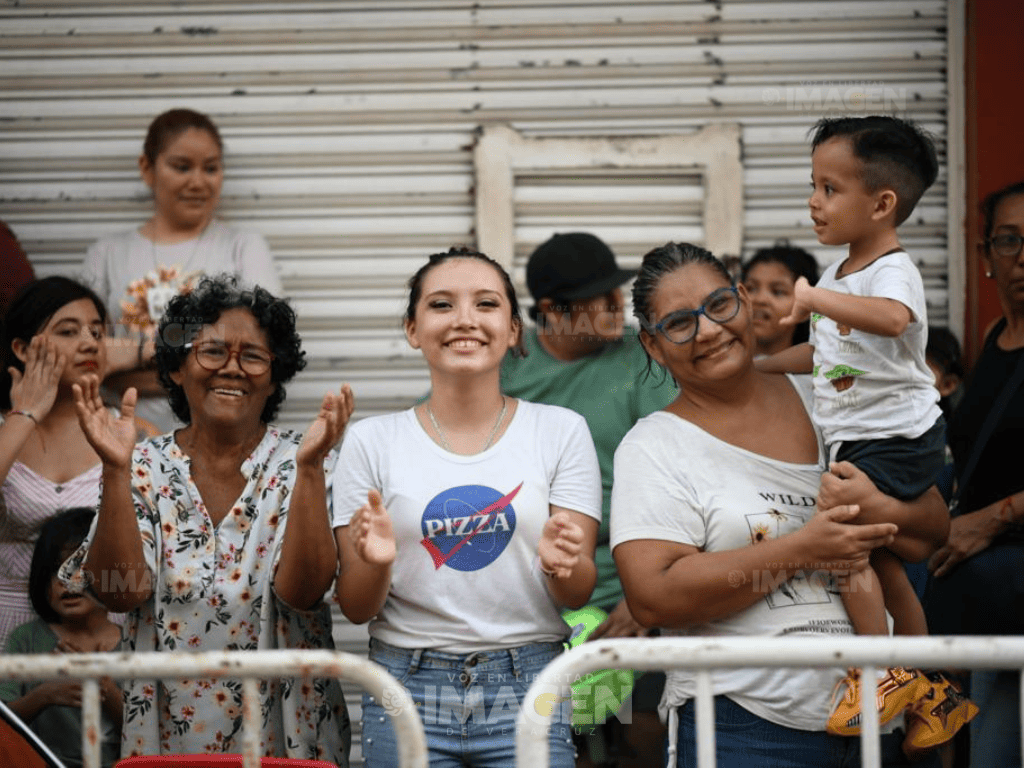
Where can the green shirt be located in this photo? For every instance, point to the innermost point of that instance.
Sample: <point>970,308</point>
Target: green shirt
<point>59,727</point>
<point>611,391</point>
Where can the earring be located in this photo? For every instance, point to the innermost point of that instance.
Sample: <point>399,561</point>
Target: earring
<point>988,273</point>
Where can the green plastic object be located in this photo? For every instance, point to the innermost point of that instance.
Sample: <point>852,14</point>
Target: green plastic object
<point>598,694</point>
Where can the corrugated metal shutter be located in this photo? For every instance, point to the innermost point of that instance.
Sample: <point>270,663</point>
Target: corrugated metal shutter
<point>349,129</point>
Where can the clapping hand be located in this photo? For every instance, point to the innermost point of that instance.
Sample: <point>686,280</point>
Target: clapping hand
<point>371,532</point>
<point>560,545</point>
<point>112,437</point>
<point>34,390</point>
<point>326,429</point>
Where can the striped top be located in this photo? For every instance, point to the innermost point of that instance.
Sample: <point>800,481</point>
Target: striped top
<point>27,501</point>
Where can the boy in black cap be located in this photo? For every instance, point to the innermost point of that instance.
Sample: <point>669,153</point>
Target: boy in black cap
<point>582,356</point>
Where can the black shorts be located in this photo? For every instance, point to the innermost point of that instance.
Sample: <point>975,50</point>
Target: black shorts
<point>900,467</point>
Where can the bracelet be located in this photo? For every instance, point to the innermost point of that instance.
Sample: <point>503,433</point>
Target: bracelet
<point>540,567</point>
<point>24,413</point>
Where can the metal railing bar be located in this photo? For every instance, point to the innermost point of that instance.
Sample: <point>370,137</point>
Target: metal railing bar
<point>247,666</point>
<point>870,742</point>
<point>706,653</point>
<point>704,717</point>
<point>92,731</point>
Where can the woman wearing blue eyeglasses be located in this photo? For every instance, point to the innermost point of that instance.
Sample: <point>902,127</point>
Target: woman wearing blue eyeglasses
<point>216,536</point>
<point>715,527</point>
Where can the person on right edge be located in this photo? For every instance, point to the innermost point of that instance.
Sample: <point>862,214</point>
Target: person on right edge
<point>582,356</point>
<point>874,395</point>
<point>978,576</point>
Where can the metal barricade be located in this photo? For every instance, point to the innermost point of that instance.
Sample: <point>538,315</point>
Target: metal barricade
<point>704,654</point>
<point>248,666</point>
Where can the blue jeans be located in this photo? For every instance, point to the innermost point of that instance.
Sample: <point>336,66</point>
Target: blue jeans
<point>995,731</point>
<point>468,704</point>
<point>744,740</point>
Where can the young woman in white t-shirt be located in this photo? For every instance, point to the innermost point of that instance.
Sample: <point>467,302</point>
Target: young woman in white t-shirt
<point>463,526</point>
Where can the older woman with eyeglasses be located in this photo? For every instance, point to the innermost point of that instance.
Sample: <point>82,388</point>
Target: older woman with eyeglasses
<point>979,574</point>
<point>715,530</point>
<point>217,536</point>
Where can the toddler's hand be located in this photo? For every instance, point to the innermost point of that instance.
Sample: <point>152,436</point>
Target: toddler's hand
<point>802,303</point>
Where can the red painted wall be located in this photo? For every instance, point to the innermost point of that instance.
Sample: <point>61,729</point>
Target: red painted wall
<point>994,136</point>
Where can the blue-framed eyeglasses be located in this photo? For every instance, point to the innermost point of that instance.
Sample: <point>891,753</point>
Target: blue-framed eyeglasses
<point>681,326</point>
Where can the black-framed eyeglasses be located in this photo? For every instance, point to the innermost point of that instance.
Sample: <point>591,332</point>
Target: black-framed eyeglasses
<point>1007,245</point>
<point>212,355</point>
<point>681,326</point>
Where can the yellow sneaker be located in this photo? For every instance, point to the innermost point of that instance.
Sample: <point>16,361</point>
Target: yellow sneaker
<point>935,718</point>
<point>896,690</point>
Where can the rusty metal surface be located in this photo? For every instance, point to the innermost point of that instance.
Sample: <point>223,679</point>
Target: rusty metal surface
<point>247,666</point>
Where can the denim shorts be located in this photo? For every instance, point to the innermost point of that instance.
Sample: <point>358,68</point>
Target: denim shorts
<point>468,704</point>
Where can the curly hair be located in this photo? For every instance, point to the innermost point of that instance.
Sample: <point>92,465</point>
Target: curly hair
<point>187,313</point>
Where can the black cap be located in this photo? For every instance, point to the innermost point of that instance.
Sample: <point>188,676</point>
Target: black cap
<point>576,265</point>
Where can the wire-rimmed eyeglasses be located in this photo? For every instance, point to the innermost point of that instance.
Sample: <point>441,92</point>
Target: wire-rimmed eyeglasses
<point>1007,245</point>
<point>681,326</point>
<point>213,355</point>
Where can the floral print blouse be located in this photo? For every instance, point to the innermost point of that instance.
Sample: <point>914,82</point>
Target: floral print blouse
<point>213,590</point>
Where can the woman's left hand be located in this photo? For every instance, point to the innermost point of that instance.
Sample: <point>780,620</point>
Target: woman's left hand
<point>560,545</point>
<point>969,534</point>
<point>327,428</point>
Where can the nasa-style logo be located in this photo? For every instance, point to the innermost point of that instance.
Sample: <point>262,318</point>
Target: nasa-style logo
<point>468,527</point>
